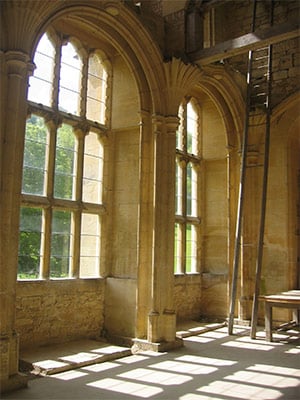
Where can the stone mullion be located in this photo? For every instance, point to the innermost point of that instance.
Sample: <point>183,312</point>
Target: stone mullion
<point>184,189</point>
<point>48,211</point>
<point>198,168</point>
<point>84,85</point>
<point>16,68</point>
<point>184,196</point>
<point>76,216</point>
<point>181,222</point>
<point>57,61</point>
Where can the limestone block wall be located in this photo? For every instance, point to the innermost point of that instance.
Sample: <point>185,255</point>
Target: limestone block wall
<point>120,307</point>
<point>214,213</point>
<point>120,298</point>
<point>234,18</point>
<point>59,311</point>
<point>187,297</point>
<point>125,205</point>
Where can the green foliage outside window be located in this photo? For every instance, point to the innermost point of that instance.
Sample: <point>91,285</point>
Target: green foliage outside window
<point>34,179</point>
<point>34,156</point>
<point>60,244</point>
<point>30,243</point>
<point>64,163</point>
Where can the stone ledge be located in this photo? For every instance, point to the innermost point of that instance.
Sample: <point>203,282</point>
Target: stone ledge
<point>49,360</point>
<point>144,345</point>
<point>200,328</point>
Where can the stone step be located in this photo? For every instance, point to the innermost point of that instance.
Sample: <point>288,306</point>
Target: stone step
<point>49,360</point>
<point>190,329</point>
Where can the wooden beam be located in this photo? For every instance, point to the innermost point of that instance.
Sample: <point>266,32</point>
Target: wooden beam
<point>242,44</point>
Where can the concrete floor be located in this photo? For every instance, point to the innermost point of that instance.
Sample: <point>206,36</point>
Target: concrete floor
<point>211,365</point>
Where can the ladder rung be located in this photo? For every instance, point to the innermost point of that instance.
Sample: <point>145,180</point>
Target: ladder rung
<point>260,58</point>
<point>254,165</point>
<point>259,94</point>
<point>257,115</point>
<point>259,84</point>
<point>261,49</point>
<point>256,125</point>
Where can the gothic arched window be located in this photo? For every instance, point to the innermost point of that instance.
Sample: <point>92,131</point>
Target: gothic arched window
<point>61,202</point>
<point>187,218</point>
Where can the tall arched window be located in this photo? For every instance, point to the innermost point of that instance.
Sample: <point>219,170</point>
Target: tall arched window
<point>187,218</point>
<point>61,202</point>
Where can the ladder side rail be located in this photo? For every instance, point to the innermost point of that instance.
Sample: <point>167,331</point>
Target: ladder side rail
<point>260,244</point>
<point>240,206</point>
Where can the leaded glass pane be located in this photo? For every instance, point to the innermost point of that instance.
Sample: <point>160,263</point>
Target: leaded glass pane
<point>60,258</point>
<point>89,246</point>
<point>34,162</point>
<point>96,93</point>
<point>64,181</point>
<point>92,169</point>
<point>30,238</point>
<point>40,84</point>
<point>70,80</point>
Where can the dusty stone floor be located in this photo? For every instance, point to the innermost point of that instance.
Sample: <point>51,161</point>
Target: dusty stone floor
<point>210,365</point>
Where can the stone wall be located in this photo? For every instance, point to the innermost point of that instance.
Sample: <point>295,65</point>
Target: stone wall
<point>59,311</point>
<point>187,296</point>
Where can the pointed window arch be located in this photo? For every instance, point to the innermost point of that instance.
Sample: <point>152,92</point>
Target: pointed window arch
<point>70,79</point>
<point>97,88</point>
<point>41,83</point>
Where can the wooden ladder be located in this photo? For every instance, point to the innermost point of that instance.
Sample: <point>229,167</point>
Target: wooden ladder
<point>257,114</point>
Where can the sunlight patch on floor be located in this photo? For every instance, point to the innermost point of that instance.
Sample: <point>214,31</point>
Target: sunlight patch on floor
<point>206,360</point>
<point>184,367</point>
<point>100,367</point>
<point>69,375</point>
<point>244,344</point>
<point>263,379</point>
<point>240,391</point>
<point>273,369</point>
<point>150,376</point>
<point>129,388</point>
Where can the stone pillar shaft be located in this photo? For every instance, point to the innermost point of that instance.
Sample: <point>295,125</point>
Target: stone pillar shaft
<point>162,319</point>
<point>13,103</point>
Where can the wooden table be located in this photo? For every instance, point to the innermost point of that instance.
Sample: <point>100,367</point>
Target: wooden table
<point>289,299</point>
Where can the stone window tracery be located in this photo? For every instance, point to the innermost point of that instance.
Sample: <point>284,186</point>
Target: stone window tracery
<point>62,194</point>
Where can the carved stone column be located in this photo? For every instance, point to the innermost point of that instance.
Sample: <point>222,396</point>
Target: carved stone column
<point>15,68</point>
<point>161,319</point>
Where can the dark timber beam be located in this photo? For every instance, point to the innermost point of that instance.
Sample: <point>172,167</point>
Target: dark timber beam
<point>242,44</point>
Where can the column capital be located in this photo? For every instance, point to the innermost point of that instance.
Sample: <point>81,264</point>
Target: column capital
<point>81,129</point>
<point>18,63</point>
<point>157,122</point>
<point>172,123</point>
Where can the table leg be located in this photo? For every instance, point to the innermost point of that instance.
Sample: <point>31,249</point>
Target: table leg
<point>268,321</point>
<point>296,316</point>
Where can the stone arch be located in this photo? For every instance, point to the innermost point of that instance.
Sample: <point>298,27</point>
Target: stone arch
<point>222,88</point>
<point>282,221</point>
<point>286,117</point>
<point>115,23</point>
